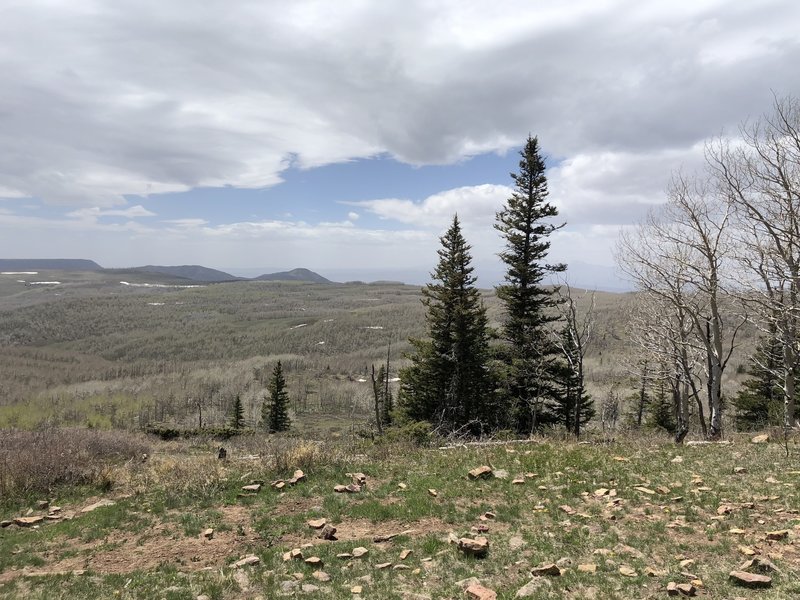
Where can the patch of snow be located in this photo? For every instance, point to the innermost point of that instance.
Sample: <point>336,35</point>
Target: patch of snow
<point>155,304</point>
<point>327,321</point>
<point>320,343</point>
<point>373,327</point>
<point>394,379</point>
<point>361,380</point>
<point>160,285</point>
<point>19,272</point>
<point>299,326</point>
<point>45,283</point>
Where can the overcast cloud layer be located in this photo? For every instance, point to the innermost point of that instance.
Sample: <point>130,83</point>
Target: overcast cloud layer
<point>102,101</point>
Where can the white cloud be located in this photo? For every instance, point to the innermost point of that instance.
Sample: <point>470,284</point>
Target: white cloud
<point>146,97</point>
<point>475,205</point>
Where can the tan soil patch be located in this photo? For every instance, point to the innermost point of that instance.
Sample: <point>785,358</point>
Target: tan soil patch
<point>359,529</point>
<point>160,544</point>
<point>294,506</point>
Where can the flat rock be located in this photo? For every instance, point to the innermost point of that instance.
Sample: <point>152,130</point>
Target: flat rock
<point>208,533</point>
<point>309,588</point>
<point>356,589</point>
<point>781,534</point>
<point>321,576</point>
<point>482,472</point>
<point>478,547</point>
<point>627,571</point>
<point>759,564</point>
<point>432,492</point>
<point>98,504</point>
<point>297,477</point>
<point>385,565</point>
<point>317,523</point>
<point>246,561</point>
<point>587,568</point>
<point>327,533</point>
<point>359,552</point>
<point>750,580</point>
<point>550,569</point>
<point>500,474</point>
<point>28,521</point>
<point>253,487</point>
<point>479,592</point>
<point>314,561</point>
<point>760,439</point>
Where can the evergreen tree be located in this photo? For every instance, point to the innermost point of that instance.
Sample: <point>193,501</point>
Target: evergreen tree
<point>760,399</point>
<point>662,412</point>
<point>275,414</point>
<point>237,415</point>
<point>532,355</point>
<point>447,382</point>
<point>383,395</point>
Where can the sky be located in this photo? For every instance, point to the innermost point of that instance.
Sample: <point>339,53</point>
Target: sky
<point>254,136</point>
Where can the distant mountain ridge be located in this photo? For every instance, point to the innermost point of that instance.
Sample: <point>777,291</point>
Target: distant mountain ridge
<point>193,272</point>
<point>293,275</point>
<point>48,264</point>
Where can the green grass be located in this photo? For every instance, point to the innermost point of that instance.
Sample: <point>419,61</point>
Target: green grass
<point>648,531</point>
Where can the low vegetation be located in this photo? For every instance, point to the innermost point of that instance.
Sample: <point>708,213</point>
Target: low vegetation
<point>618,519</point>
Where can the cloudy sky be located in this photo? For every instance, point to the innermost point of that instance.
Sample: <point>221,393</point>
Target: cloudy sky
<point>342,136</point>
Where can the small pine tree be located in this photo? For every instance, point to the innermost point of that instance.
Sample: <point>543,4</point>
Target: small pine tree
<point>384,396</point>
<point>532,355</point>
<point>237,415</point>
<point>662,411</point>
<point>277,410</point>
<point>572,390</point>
<point>447,382</point>
<point>760,399</point>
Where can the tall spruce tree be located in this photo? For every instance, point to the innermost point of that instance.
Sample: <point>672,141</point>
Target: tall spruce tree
<point>237,414</point>
<point>447,382</point>
<point>532,355</point>
<point>275,413</point>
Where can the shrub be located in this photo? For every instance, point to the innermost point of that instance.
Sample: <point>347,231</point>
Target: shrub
<point>36,462</point>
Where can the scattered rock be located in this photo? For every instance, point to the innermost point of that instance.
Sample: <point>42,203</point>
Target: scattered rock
<point>532,587</point>
<point>96,505</point>
<point>317,523</point>
<point>739,470</point>
<point>296,554</point>
<point>297,477</point>
<point>5,524</point>
<point>627,571</point>
<point>644,490</point>
<point>518,481</point>
<point>309,588</point>
<point>321,576</point>
<point>287,587</point>
<point>746,550</point>
<point>344,555</point>
<point>500,474</point>
<point>587,568</point>
<point>567,509</point>
<point>781,534</point>
<point>42,504</point>
<point>314,561</point>
<point>488,516</point>
<point>477,547</point>
<point>759,565</point>
<point>402,486</point>
<point>750,580</point>
<point>478,592</point>
<point>28,521</point>
<point>404,554</point>
<point>550,569</point>
<point>251,559</point>
<point>385,565</point>
<point>761,439</point>
<point>358,478</point>
<point>432,492</point>
<point>208,533</point>
<point>483,472</point>
<point>359,552</point>
<point>253,487</point>
<point>327,533</point>
<point>356,589</point>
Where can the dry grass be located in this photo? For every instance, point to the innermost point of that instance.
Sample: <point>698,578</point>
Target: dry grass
<point>37,461</point>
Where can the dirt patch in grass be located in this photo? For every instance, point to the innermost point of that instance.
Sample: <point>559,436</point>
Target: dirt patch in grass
<point>287,507</point>
<point>163,544</point>
<point>360,529</point>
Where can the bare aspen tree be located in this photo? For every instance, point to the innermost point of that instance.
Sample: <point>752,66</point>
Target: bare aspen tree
<point>760,177</point>
<point>680,254</point>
